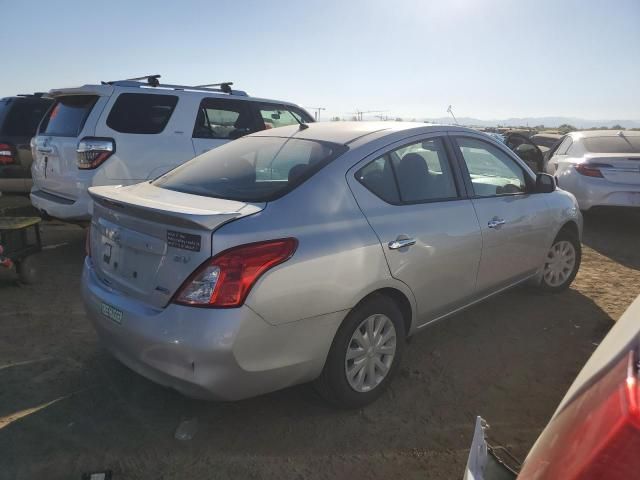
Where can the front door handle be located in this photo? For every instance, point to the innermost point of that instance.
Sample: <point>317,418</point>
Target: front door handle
<point>401,242</point>
<point>495,222</point>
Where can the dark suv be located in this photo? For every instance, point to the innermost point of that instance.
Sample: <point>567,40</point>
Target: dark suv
<point>19,119</point>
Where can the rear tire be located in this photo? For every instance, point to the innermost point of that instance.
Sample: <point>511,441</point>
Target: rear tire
<point>365,354</point>
<point>27,270</point>
<point>562,262</point>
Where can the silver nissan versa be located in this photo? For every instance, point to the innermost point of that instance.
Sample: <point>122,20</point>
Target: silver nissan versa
<point>311,252</point>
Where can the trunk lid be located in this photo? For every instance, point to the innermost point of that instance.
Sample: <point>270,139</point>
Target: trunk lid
<point>146,240</point>
<point>623,168</point>
<point>54,166</point>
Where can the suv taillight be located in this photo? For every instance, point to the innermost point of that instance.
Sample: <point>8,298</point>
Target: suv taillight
<point>92,152</point>
<point>591,169</point>
<point>226,279</point>
<point>7,154</point>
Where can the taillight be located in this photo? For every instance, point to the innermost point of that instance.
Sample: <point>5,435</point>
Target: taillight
<point>597,435</point>
<point>591,169</point>
<point>92,152</point>
<point>226,279</point>
<point>7,154</point>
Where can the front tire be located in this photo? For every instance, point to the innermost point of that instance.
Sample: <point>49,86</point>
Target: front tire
<point>365,354</point>
<point>561,263</point>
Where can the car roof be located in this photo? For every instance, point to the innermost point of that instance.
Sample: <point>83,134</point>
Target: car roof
<point>348,132</point>
<point>108,90</point>
<point>604,133</point>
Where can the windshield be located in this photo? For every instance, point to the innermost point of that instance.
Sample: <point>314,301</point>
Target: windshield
<point>252,169</point>
<point>620,144</point>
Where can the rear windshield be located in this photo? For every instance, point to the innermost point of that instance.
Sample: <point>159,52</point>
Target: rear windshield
<point>142,113</point>
<point>252,169</point>
<point>620,144</point>
<point>20,118</point>
<point>68,115</point>
<point>545,141</point>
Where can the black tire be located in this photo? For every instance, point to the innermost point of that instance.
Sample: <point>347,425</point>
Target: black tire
<point>27,270</point>
<point>569,236</point>
<point>332,384</point>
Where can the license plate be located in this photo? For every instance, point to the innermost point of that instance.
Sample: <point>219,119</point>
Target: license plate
<point>112,313</point>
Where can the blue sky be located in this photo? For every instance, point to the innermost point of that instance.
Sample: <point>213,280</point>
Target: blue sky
<point>410,58</point>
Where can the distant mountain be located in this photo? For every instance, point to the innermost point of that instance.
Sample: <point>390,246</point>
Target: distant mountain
<point>549,122</point>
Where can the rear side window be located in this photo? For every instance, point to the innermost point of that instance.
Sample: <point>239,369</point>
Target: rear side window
<point>23,116</point>
<point>142,113</point>
<point>251,169</point>
<point>619,144</point>
<point>223,119</point>
<point>564,146</point>
<point>68,115</point>
<point>377,176</point>
<point>420,172</point>
<point>274,116</point>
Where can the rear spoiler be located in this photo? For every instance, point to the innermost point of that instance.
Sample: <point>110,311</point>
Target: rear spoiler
<point>119,198</point>
<point>99,90</point>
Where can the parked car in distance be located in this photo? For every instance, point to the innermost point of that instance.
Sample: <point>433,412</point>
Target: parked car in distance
<point>19,118</point>
<point>310,253</point>
<point>125,132</point>
<point>594,432</point>
<point>546,141</point>
<point>526,149</point>
<point>600,167</point>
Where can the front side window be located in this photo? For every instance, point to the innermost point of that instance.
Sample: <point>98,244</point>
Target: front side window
<point>67,116</point>
<point>223,119</point>
<point>274,116</point>
<point>141,113</point>
<point>415,173</point>
<point>492,171</point>
<point>251,169</point>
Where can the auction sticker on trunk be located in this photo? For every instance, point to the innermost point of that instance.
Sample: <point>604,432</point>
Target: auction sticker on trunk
<point>184,241</point>
<point>112,313</point>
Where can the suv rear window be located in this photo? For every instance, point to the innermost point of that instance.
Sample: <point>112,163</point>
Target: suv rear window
<point>21,117</point>
<point>251,169</point>
<point>143,113</point>
<point>620,144</point>
<point>68,115</point>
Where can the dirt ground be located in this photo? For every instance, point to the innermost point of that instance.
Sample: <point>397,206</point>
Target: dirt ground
<point>67,407</point>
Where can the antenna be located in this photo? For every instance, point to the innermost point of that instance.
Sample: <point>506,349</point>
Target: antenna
<point>316,114</point>
<point>450,110</point>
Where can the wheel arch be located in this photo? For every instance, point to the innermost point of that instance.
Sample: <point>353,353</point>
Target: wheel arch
<point>401,299</point>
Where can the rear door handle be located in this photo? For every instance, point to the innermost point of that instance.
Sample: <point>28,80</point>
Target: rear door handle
<point>496,222</point>
<point>45,149</point>
<point>401,242</point>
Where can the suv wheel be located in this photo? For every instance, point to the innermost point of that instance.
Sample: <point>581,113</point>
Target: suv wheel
<point>365,354</point>
<point>562,262</point>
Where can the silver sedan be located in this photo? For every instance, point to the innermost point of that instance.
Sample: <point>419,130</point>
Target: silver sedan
<point>311,253</point>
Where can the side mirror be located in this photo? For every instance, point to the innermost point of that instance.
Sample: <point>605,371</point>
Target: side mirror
<point>545,183</point>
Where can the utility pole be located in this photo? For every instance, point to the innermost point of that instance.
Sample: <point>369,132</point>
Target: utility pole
<point>450,110</point>
<point>359,113</point>
<point>316,113</point>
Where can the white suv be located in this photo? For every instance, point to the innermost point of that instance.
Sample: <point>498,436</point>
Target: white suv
<point>129,131</point>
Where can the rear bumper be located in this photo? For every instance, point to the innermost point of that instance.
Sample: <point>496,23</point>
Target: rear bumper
<point>598,192</point>
<point>223,354</point>
<point>59,207</point>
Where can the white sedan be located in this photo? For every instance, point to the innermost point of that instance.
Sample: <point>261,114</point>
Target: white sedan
<point>600,167</point>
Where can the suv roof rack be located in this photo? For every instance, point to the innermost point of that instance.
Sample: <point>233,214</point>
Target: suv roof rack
<point>153,81</point>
